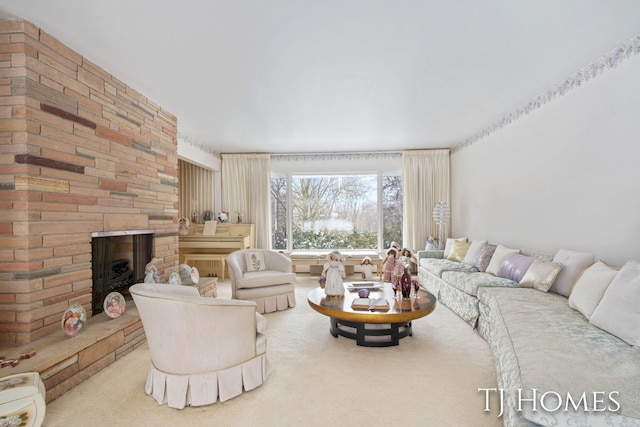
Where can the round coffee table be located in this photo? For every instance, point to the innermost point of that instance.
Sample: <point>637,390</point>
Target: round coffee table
<point>371,328</point>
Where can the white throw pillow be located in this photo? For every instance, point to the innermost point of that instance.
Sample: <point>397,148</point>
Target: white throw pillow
<point>619,310</point>
<point>590,287</point>
<point>254,261</point>
<point>473,250</point>
<point>498,257</point>
<point>449,245</point>
<point>573,263</point>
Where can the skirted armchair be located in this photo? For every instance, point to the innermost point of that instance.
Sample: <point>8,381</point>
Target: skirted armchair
<point>202,349</point>
<point>263,276</point>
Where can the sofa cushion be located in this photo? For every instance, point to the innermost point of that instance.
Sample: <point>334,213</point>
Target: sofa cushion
<point>540,343</point>
<point>514,267</point>
<point>540,275</point>
<point>498,257</point>
<point>473,250</point>
<point>590,288</point>
<point>483,257</point>
<point>449,244</point>
<point>469,283</point>
<point>619,310</point>
<point>257,279</point>
<point>458,251</point>
<point>437,266</point>
<point>573,263</point>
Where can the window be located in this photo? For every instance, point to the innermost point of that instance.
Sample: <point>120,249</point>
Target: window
<point>345,211</point>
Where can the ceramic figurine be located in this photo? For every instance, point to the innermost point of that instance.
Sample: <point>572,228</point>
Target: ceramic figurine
<point>151,274</point>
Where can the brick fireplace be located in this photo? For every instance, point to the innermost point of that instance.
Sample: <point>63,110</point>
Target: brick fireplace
<point>80,153</point>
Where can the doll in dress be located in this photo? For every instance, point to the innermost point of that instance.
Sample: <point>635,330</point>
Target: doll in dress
<point>389,265</point>
<point>333,273</point>
<point>405,258</point>
<point>367,268</point>
<point>431,243</point>
<point>183,228</point>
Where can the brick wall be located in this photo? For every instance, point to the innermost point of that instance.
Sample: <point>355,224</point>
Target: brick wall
<point>80,152</point>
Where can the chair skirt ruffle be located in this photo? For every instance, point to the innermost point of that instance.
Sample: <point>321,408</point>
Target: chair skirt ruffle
<point>272,303</point>
<point>179,391</point>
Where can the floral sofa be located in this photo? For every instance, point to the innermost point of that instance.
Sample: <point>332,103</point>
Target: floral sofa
<point>564,329</point>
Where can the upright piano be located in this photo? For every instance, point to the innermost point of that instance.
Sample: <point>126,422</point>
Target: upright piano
<point>227,238</point>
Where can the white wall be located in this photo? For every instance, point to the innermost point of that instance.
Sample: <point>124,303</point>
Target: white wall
<point>566,175</point>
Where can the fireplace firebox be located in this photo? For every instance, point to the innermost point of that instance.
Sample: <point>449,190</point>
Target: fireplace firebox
<point>118,260</point>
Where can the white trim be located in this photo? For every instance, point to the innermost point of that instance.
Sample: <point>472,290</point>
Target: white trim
<point>607,61</point>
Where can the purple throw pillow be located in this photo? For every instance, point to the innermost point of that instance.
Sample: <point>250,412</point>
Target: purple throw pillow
<point>483,257</point>
<point>514,267</point>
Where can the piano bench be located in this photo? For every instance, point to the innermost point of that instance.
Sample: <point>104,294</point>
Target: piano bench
<point>221,258</point>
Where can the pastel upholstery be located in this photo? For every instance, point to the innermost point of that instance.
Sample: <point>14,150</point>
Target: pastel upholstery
<point>272,287</point>
<point>202,349</point>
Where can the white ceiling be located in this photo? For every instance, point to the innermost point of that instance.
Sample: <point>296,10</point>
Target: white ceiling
<point>286,76</point>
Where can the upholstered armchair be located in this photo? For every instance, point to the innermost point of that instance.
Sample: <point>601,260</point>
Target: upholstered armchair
<point>263,276</point>
<point>202,349</point>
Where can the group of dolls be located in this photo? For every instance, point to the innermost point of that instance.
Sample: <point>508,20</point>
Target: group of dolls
<point>396,261</point>
<point>333,273</point>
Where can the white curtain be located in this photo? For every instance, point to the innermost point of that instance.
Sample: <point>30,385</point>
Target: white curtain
<point>425,182</point>
<point>246,190</point>
<point>195,190</point>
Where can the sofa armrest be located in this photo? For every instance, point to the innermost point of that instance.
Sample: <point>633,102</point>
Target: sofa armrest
<point>429,254</point>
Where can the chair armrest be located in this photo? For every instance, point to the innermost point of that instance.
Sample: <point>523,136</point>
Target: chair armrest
<point>278,261</point>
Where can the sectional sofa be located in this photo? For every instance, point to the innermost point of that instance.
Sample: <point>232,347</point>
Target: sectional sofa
<point>564,329</point>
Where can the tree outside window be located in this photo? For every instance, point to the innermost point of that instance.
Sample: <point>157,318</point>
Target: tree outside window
<point>335,212</point>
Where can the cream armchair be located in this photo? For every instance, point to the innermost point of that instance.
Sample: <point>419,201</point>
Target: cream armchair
<point>262,276</point>
<point>202,349</point>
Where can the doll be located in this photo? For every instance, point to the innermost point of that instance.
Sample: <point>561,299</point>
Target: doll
<point>333,273</point>
<point>183,228</point>
<point>367,268</point>
<point>405,258</point>
<point>431,243</point>
<point>389,265</point>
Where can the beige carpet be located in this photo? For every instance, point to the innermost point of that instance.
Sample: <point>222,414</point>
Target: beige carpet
<point>430,379</point>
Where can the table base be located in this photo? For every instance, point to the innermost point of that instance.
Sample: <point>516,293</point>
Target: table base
<point>370,334</point>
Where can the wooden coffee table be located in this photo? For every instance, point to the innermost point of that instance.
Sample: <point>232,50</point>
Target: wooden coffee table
<point>372,328</point>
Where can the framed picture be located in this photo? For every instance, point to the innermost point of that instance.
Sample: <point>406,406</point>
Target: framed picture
<point>114,305</point>
<point>73,320</point>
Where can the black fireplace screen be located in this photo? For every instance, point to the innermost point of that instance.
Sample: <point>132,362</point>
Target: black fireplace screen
<point>113,273</point>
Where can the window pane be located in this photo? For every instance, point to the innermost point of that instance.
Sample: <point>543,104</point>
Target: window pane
<point>391,210</point>
<point>279,213</point>
<point>334,212</point>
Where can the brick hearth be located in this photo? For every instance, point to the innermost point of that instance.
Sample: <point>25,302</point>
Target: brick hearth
<point>64,362</point>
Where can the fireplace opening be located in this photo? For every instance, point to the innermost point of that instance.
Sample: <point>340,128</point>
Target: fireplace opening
<point>118,260</point>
